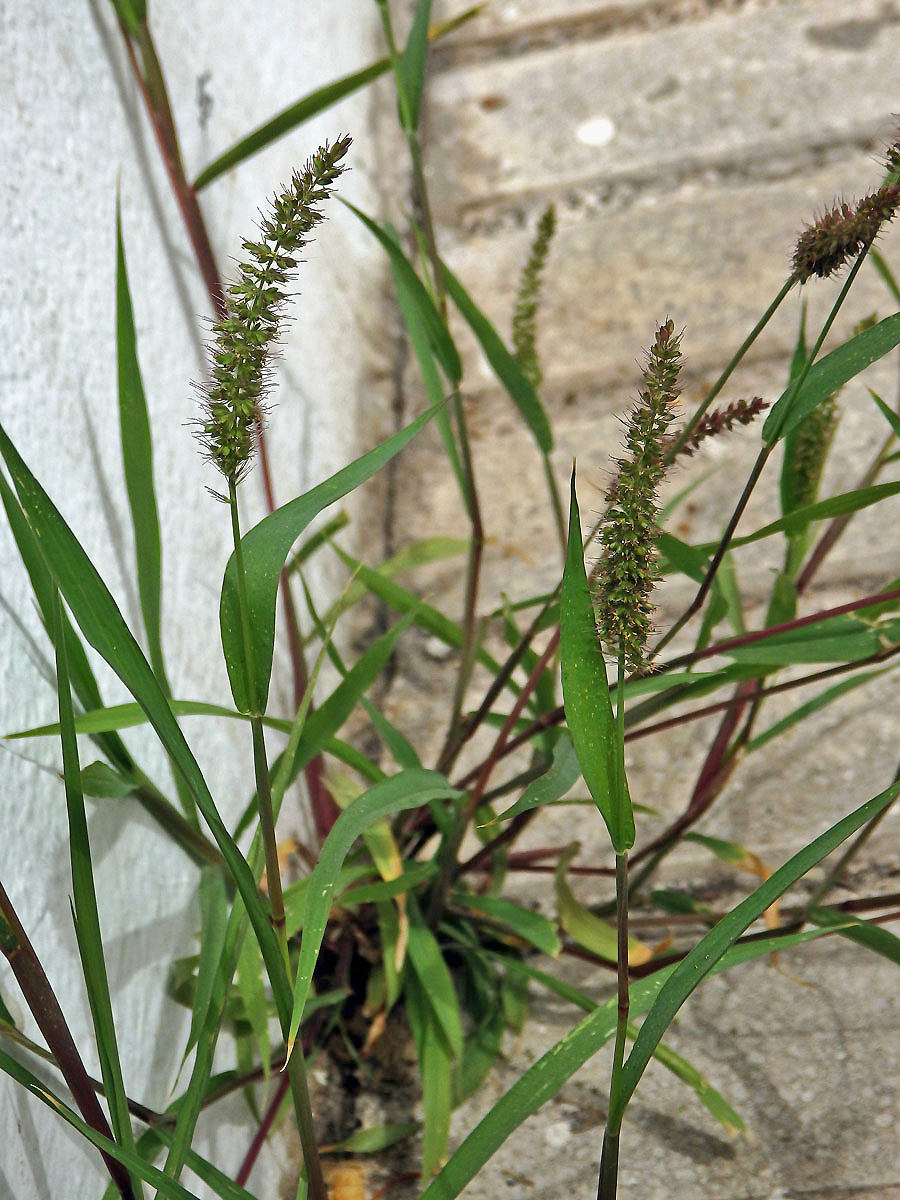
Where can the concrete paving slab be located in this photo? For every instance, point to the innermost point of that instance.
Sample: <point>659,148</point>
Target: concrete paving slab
<point>514,27</point>
<point>692,206</point>
<point>692,96</point>
<point>711,254</point>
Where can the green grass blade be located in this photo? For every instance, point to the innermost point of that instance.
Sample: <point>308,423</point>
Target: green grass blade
<point>334,711</point>
<point>561,775</point>
<point>309,106</point>
<point>417,329</point>
<point>589,713</point>
<point>398,744</point>
<point>213,902</point>
<point>530,926</point>
<point>421,553</point>
<point>823,510</point>
<point>873,937</point>
<point>438,335</point>
<point>289,118</point>
<point>137,457</point>
<point>128,716</point>
<point>689,560</point>
<point>507,370</point>
<point>436,1071</point>
<point>805,710</point>
<point>407,790</point>
<point>132,13</point>
<point>886,274</point>
<point>265,549</point>
<point>374,1139</point>
<point>889,415</point>
<point>413,60</point>
<point>86,914</point>
<point>403,601</point>
<point>80,673</point>
<point>680,1067</point>
<point>252,992</point>
<point>426,960</point>
<point>710,949</point>
<point>837,639</point>
<point>104,628</point>
<point>387,889</point>
<point>168,1187</point>
<point>315,541</point>
<point>543,1080</point>
<point>830,374</point>
<point>708,1096</point>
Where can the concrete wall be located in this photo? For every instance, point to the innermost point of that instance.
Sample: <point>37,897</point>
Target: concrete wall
<point>685,143</point>
<point>73,125</point>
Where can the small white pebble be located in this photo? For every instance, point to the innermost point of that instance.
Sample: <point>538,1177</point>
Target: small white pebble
<point>557,1134</point>
<point>437,649</point>
<point>598,131</point>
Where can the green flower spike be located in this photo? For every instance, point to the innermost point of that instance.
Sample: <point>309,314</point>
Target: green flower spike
<point>627,569</point>
<point>234,402</point>
<point>524,323</point>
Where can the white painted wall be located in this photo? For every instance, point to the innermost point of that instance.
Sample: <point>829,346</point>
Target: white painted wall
<point>73,123</point>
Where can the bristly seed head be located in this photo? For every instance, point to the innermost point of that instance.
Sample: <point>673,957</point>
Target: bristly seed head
<point>627,568</point>
<point>844,231</point>
<point>720,420</point>
<point>234,402</point>
<point>524,323</point>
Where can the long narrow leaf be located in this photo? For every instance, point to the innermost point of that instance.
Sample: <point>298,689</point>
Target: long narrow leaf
<point>104,628</point>
<point>822,510</point>
<point>561,775</point>
<point>414,58</point>
<point>680,1067</point>
<point>543,1080</point>
<point>407,790</point>
<point>864,933</point>
<point>311,104</point>
<point>830,374</point>
<point>507,370</point>
<point>435,1067</point>
<point>265,549</point>
<point>426,960</point>
<point>81,675</point>
<point>710,949</point>
<point>806,710</point>
<point>589,714</point>
<point>137,457</point>
<point>438,335</point>
<point>87,916</point>
<point>128,1159</point>
<point>417,329</point>
<point>529,926</point>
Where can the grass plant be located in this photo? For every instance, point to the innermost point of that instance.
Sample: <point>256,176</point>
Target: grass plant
<point>410,908</point>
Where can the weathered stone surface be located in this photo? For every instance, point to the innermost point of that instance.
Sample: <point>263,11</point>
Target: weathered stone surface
<point>732,126</point>
<point>728,92</point>
<point>710,255</point>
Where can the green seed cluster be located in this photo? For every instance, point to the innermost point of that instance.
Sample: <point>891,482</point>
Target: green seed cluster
<point>524,322</point>
<point>234,401</point>
<point>627,568</point>
<point>811,443</point>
